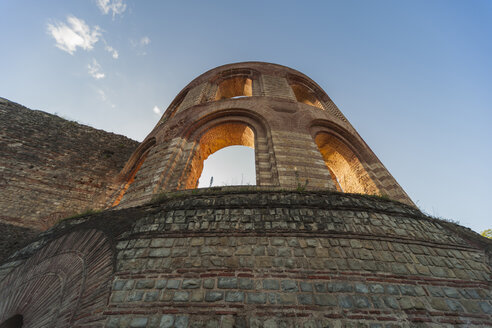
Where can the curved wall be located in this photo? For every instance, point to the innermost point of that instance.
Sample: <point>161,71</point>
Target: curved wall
<point>253,257</point>
<point>285,109</point>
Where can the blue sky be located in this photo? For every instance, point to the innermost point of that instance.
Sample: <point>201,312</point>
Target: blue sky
<point>413,77</point>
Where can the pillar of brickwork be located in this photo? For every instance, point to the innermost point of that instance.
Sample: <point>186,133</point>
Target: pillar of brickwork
<point>300,137</point>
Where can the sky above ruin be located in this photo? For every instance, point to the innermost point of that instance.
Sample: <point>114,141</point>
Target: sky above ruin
<point>413,77</point>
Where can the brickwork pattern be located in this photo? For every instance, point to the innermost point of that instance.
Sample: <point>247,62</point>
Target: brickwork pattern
<point>68,278</point>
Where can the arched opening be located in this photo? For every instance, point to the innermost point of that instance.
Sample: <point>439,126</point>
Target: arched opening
<point>345,168</point>
<point>214,139</point>
<point>15,321</point>
<point>305,95</point>
<point>229,166</point>
<point>234,87</point>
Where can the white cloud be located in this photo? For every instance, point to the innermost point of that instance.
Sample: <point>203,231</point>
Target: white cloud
<point>144,41</point>
<point>117,7</point>
<point>102,94</point>
<point>74,34</point>
<point>95,71</point>
<point>112,51</point>
<point>157,110</point>
<point>104,98</point>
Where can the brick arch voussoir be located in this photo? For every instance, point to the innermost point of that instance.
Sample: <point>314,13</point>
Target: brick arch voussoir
<point>253,120</point>
<point>354,143</point>
<point>310,85</point>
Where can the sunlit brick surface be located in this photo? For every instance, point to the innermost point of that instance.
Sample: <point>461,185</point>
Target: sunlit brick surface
<point>301,139</point>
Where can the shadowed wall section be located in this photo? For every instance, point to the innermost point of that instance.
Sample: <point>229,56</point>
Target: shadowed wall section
<point>62,285</point>
<point>51,168</point>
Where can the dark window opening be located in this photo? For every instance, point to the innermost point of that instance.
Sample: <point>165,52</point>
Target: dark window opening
<point>15,321</point>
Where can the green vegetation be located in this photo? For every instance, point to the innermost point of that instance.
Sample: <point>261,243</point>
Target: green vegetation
<point>87,212</point>
<point>487,233</point>
<point>300,187</point>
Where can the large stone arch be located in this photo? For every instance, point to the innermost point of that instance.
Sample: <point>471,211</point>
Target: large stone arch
<point>239,124</point>
<point>64,284</point>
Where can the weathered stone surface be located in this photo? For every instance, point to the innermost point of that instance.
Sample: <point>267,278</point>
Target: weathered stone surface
<point>53,168</point>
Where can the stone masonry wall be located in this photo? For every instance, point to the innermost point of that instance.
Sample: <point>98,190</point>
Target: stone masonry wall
<point>51,168</point>
<point>250,257</point>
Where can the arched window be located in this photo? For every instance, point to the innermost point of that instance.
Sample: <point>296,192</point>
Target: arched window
<point>229,166</point>
<point>234,87</point>
<point>15,321</point>
<point>305,95</point>
<point>214,139</point>
<point>346,170</point>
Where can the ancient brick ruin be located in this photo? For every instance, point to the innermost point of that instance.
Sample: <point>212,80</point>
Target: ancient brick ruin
<point>327,237</point>
<point>298,133</point>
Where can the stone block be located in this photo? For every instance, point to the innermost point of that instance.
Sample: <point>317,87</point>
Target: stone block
<point>320,287</point>
<point>286,299</point>
<point>139,322</point>
<point>361,301</point>
<point>160,252</point>
<point>180,296</point>
<point>256,298</point>
<point>213,296</point>
<point>339,287</point>
<point>151,296</point>
<point>209,283</point>
<point>118,297</point>
<point>361,289</point>
<point>271,284</point>
<point>305,299</point>
<point>234,296</point>
<point>245,283</point>
<point>346,301</point>
<point>135,296</point>
<point>161,283</point>
<point>325,300</point>
<point>306,286</point>
<point>167,321</point>
<point>289,285</point>
<point>181,321</point>
<point>227,282</point>
<point>145,284</point>
<point>173,284</point>
<point>191,283</point>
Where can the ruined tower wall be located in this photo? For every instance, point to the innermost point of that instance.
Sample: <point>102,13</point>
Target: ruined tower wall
<point>301,138</point>
<point>51,168</point>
